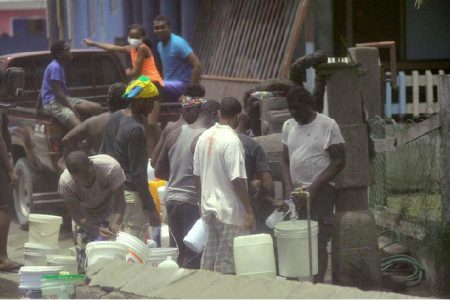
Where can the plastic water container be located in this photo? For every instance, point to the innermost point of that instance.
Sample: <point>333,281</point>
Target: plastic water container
<point>292,244</point>
<point>137,250</point>
<point>105,250</point>
<point>165,236</point>
<point>161,190</point>
<point>60,286</point>
<point>168,263</point>
<point>44,229</point>
<point>158,255</point>
<point>254,255</point>
<point>30,276</point>
<point>153,186</point>
<point>68,262</point>
<point>196,237</point>
<point>150,171</point>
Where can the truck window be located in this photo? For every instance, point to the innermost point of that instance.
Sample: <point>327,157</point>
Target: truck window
<point>26,64</point>
<point>79,71</point>
<point>106,71</point>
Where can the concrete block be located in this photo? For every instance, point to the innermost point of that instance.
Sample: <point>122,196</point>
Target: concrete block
<point>355,254</point>
<point>351,199</point>
<point>114,295</point>
<point>357,168</point>
<point>201,284</point>
<point>107,277</point>
<point>83,291</point>
<point>343,92</point>
<point>272,146</point>
<point>370,83</point>
<point>141,285</point>
<point>354,229</point>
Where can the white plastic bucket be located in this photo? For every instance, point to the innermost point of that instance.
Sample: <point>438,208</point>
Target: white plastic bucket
<point>38,248</point>
<point>196,237</point>
<point>44,229</point>
<point>34,259</point>
<point>105,250</point>
<point>30,276</point>
<point>292,244</point>
<point>137,250</point>
<point>60,287</point>
<point>55,290</point>
<point>35,254</point>
<point>158,255</point>
<point>68,262</point>
<point>254,255</point>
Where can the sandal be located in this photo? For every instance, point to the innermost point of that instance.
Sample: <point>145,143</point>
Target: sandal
<point>10,266</point>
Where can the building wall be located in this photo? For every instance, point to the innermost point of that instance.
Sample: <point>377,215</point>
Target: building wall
<point>427,30</point>
<point>7,16</point>
<point>18,34</point>
<point>100,20</point>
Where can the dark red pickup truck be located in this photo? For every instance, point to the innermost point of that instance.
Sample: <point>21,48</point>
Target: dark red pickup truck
<point>36,138</point>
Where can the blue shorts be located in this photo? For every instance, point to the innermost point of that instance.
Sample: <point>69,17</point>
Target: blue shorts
<point>172,90</point>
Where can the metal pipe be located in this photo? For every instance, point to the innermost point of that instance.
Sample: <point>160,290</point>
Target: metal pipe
<point>308,217</point>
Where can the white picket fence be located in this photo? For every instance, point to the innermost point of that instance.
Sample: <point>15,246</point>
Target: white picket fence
<point>418,103</point>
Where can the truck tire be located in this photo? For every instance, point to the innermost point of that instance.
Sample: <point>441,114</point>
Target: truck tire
<point>23,191</point>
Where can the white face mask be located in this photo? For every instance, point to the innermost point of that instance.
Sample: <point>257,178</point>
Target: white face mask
<point>134,42</point>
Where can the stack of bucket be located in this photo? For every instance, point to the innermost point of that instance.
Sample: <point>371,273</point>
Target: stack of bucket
<point>42,254</point>
<point>43,237</point>
<point>30,279</point>
<point>127,248</point>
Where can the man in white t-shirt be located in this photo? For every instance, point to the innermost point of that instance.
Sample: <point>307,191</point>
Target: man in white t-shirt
<point>314,154</point>
<point>92,188</point>
<point>221,180</point>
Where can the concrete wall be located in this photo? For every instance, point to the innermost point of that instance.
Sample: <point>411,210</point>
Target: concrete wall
<point>17,37</point>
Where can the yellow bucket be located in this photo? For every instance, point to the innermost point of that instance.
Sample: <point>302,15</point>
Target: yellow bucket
<point>153,186</point>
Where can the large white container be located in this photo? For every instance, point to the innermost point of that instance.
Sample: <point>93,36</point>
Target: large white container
<point>196,237</point>
<point>292,244</point>
<point>30,276</point>
<point>137,250</point>
<point>68,262</point>
<point>158,255</point>
<point>254,255</point>
<point>165,236</point>
<point>150,171</point>
<point>44,229</point>
<point>105,250</point>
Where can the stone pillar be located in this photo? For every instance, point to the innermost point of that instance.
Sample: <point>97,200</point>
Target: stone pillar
<point>443,85</point>
<point>355,258</point>
<point>370,81</point>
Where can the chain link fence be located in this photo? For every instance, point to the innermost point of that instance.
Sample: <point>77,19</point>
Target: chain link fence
<point>406,181</point>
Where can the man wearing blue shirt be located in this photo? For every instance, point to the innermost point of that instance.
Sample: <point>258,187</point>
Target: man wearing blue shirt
<point>55,99</point>
<point>180,64</point>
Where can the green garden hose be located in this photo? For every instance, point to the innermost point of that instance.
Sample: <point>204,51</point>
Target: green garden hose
<point>395,262</point>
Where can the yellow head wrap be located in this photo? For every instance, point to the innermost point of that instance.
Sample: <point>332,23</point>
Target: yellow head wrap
<point>141,88</point>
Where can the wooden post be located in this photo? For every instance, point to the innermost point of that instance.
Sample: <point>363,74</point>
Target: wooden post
<point>302,9</point>
<point>443,85</point>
